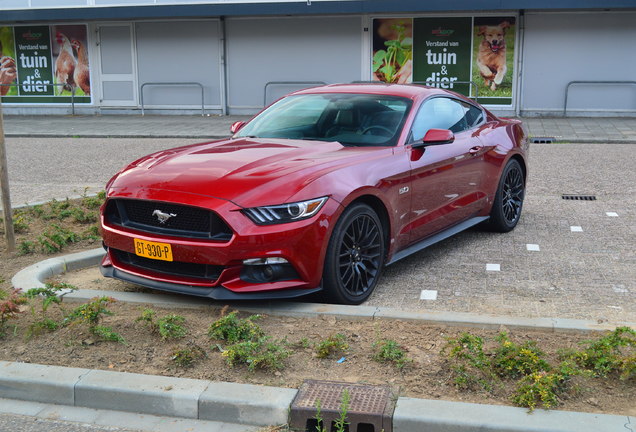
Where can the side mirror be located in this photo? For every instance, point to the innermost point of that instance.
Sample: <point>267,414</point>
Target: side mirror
<point>436,137</point>
<point>236,126</point>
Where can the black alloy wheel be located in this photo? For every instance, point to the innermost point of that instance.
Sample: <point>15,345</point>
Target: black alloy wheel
<point>506,209</point>
<point>355,256</point>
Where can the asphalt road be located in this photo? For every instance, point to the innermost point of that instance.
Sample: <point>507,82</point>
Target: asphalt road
<point>44,168</point>
<point>19,423</point>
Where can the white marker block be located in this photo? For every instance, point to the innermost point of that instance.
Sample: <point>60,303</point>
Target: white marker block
<point>612,214</point>
<point>428,295</point>
<point>493,267</point>
<point>533,247</point>
<point>576,229</point>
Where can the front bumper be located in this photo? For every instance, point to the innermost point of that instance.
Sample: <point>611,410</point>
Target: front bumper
<point>303,244</point>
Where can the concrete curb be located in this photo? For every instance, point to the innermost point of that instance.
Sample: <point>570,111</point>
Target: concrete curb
<point>442,416</point>
<point>254,405</point>
<point>35,275</point>
<point>146,394</point>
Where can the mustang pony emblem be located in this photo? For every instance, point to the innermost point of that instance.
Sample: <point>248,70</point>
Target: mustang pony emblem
<point>163,217</point>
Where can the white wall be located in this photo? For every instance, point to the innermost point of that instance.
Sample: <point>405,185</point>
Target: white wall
<point>564,47</point>
<point>261,50</point>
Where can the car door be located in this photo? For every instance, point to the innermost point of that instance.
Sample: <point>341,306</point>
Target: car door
<point>445,178</point>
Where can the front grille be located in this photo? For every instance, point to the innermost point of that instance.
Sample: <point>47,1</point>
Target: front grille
<point>178,220</point>
<point>174,268</point>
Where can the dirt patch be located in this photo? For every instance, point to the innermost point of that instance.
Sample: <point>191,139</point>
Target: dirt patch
<point>428,376</point>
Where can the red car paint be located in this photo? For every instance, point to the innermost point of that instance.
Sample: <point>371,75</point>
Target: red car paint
<point>416,191</point>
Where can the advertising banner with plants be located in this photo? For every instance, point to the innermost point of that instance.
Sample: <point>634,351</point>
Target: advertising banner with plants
<point>44,64</point>
<point>473,56</point>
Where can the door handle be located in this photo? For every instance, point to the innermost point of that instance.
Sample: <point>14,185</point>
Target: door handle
<point>475,150</point>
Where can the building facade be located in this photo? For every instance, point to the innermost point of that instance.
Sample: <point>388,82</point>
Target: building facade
<point>517,57</point>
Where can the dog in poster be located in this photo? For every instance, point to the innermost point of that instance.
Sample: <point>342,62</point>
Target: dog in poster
<point>491,58</point>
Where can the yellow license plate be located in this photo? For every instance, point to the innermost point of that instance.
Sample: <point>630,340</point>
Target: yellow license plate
<point>153,250</point>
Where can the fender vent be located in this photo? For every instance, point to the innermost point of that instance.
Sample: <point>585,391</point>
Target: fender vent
<point>542,140</point>
<point>579,197</point>
<point>370,407</point>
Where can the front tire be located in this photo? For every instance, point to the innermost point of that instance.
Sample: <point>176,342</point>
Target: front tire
<point>506,209</point>
<point>355,256</point>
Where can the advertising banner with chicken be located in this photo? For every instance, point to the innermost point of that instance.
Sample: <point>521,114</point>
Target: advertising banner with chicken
<point>44,64</point>
<point>470,55</point>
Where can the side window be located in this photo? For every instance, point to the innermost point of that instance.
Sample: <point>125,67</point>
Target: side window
<point>439,113</point>
<point>474,115</point>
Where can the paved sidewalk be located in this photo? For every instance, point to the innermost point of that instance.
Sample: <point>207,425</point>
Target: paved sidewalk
<point>571,129</point>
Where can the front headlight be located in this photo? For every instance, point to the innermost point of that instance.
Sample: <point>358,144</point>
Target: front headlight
<point>277,214</point>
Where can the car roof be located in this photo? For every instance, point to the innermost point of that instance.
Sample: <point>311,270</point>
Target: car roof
<point>410,91</point>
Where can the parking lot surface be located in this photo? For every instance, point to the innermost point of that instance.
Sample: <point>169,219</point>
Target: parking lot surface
<point>566,258</point>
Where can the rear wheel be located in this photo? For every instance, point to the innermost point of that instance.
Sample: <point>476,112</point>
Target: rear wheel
<point>355,256</point>
<point>506,209</point>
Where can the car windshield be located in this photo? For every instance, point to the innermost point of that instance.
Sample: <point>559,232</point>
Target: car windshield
<point>350,119</point>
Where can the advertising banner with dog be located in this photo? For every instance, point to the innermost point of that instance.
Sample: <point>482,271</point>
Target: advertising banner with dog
<point>44,64</point>
<point>473,56</point>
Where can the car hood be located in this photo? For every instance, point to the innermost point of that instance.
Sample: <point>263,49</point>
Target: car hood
<point>245,171</point>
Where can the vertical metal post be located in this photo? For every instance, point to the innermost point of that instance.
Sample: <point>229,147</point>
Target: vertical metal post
<point>521,25</point>
<point>223,49</point>
<point>4,189</point>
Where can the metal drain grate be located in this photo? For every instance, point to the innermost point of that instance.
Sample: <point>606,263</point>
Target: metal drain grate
<point>542,140</point>
<point>370,407</point>
<point>579,197</point>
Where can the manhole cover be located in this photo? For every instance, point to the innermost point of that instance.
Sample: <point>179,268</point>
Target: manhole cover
<point>579,197</point>
<point>370,407</point>
<point>542,140</point>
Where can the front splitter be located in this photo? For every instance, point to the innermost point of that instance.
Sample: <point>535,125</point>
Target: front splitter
<point>216,293</point>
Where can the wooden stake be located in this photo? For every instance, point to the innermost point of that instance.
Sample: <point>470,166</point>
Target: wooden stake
<point>7,212</point>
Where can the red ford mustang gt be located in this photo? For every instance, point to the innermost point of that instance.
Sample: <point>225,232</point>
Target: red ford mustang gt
<point>317,192</point>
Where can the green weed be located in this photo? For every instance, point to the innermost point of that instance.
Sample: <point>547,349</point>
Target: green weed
<point>82,216</point>
<point>514,361</point>
<point>341,423</point>
<point>262,353</point>
<point>334,345</point>
<point>170,327</point>
<point>52,241</point>
<point>608,354</point>
<point>26,247</point>
<point>187,357</point>
<point>388,350</point>
<point>233,329</point>
<point>93,202</point>
<point>41,326</point>
<point>50,293</point>
<point>20,223</point>
<point>107,334</point>
<point>147,317</point>
<point>90,313</point>
<point>541,389</point>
